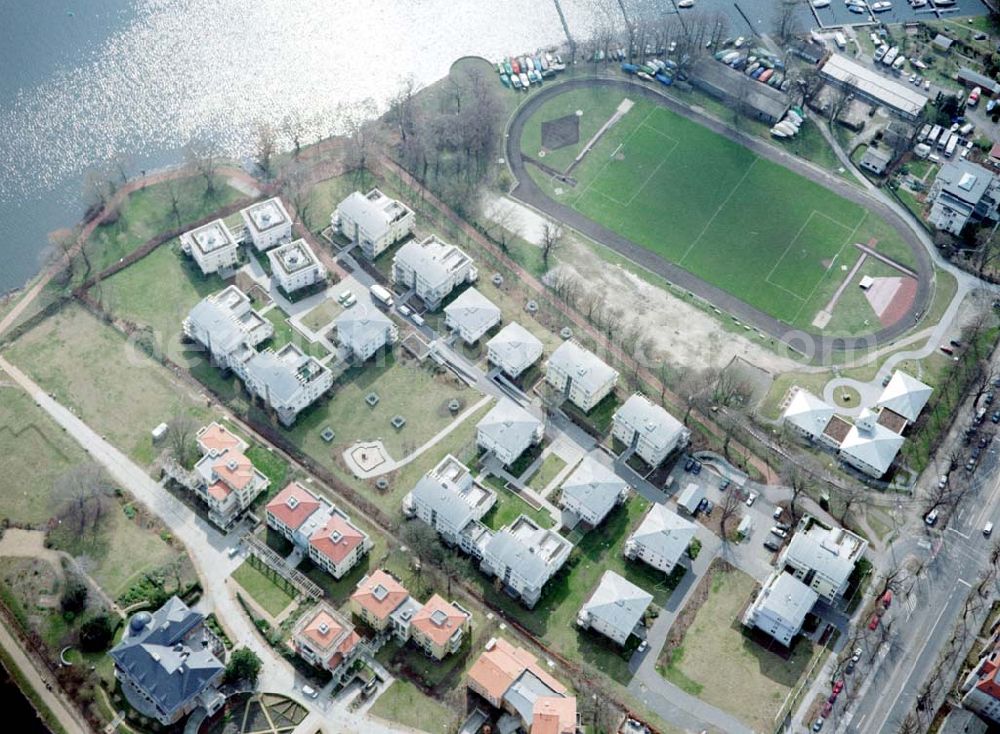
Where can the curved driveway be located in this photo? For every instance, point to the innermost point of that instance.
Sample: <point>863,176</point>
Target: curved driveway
<point>814,346</point>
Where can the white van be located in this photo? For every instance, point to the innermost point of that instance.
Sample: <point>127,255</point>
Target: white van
<point>381,295</point>
<point>988,529</point>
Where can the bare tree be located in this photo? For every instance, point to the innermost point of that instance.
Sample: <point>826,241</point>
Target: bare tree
<point>84,493</point>
<point>552,238</point>
<point>265,143</point>
<point>181,432</point>
<point>402,108</point>
<point>731,502</point>
<point>796,481</point>
<point>204,155</point>
<point>172,187</point>
<point>786,19</point>
<point>695,388</point>
<point>850,496</point>
<point>840,97</point>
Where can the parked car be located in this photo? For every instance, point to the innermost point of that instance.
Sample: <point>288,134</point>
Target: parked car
<point>885,380</point>
<point>696,469</point>
<point>931,518</point>
<point>996,416</point>
<point>751,498</point>
<point>775,530</point>
<point>947,350</point>
<point>723,485</point>
<point>873,622</point>
<point>772,545</point>
<point>983,440</point>
<point>689,464</point>
<point>643,645</point>
<point>856,656</point>
<point>838,687</point>
<point>783,526</point>
<point>405,311</point>
<point>709,506</point>
<point>818,724</point>
<point>778,511</point>
<point>417,319</point>
<point>702,505</point>
<point>887,599</point>
<point>988,529</point>
<point>310,691</point>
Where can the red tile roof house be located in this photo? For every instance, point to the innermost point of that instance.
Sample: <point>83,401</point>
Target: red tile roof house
<point>318,528</point>
<point>511,679</point>
<point>225,479</point>
<point>981,687</point>
<point>437,627</point>
<point>326,640</point>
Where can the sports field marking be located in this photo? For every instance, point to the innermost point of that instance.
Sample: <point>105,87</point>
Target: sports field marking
<point>620,112</point>
<point>723,205</point>
<point>791,243</point>
<point>638,190</point>
<point>610,158</point>
<point>848,243</point>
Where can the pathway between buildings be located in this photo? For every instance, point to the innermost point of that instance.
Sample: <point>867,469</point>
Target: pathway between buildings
<point>206,547</point>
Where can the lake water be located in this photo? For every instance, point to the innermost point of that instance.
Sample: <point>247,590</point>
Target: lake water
<point>86,80</point>
<point>18,714</point>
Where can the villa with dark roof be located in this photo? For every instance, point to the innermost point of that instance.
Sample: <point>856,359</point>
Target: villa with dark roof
<point>169,663</point>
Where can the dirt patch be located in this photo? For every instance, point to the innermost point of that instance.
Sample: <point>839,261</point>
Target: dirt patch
<point>561,132</point>
<point>900,303</point>
<point>684,333</point>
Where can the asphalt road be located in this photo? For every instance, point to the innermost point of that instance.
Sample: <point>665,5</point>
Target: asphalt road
<point>815,346</point>
<point>956,555</point>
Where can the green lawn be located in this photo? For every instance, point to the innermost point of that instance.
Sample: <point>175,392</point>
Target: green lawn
<point>767,235</point>
<point>34,452</point>
<point>404,387</point>
<point>321,316</point>
<point>120,553</point>
<point>147,212</point>
<point>271,466</point>
<point>716,636</point>
<point>112,386</point>
<point>546,472</point>
<point>553,618</point>
<point>284,334</point>
<point>158,291</point>
<point>405,704</point>
<point>268,593</point>
<point>509,507</point>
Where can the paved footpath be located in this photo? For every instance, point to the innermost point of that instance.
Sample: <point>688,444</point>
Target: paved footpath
<point>206,547</point>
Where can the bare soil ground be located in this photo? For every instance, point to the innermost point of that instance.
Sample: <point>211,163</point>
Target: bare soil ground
<point>684,333</point>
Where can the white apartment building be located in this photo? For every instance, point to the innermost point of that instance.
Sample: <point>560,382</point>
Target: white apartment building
<point>781,607</point>
<point>433,269</point>
<point>294,265</point>
<point>661,539</point>
<point>649,429</point>
<point>227,326</point>
<point>591,491</point>
<point>267,224</point>
<point>288,381</point>
<point>963,192</point>
<point>447,498</point>
<point>374,221</point>
<point>508,430</point>
<point>212,246</point>
<point>471,315</point>
<point>524,557</point>
<point>615,609</point>
<point>822,557</point>
<point>514,349</point>
<point>580,375</point>
<point>364,331</point>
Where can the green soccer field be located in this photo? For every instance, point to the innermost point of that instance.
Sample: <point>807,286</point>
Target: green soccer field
<point>763,233</point>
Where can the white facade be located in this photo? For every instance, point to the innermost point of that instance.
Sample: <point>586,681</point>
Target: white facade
<point>514,349</point>
<point>267,224</point>
<point>963,192</point>
<point>781,607</point>
<point>807,414</point>
<point>212,246</point>
<point>364,331</point>
<point>471,315</point>
<point>288,381</point>
<point>661,539</point>
<point>226,324</point>
<point>524,557</point>
<point>821,557</point>
<point>294,265</point>
<point>648,428</point>
<point>508,431</point>
<point>433,269</point>
<point>592,490</point>
<point>448,499</point>
<point>869,446</point>
<point>580,375</point>
<point>615,609</point>
<point>374,221</point>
